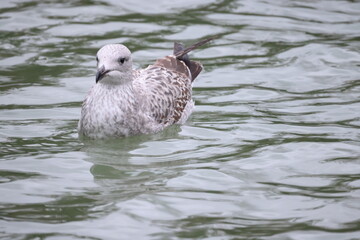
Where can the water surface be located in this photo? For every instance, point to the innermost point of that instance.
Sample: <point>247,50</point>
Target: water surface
<point>271,152</point>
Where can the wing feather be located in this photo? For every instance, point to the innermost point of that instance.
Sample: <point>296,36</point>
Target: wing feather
<point>166,89</point>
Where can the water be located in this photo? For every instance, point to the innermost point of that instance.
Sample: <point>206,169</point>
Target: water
<point>271,152</point>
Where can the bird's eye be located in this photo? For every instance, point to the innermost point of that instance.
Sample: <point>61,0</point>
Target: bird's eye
<point>97,59</point>
<point>122,60</point>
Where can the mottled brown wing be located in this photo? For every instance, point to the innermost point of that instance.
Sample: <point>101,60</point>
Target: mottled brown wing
<point>190,69</point>
<point>168,87</point>
<point>172,63</point>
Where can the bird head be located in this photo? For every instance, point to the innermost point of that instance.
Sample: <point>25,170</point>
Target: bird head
<point>114,64</point>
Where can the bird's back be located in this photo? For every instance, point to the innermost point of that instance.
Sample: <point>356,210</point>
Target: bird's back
<point>167,90</point>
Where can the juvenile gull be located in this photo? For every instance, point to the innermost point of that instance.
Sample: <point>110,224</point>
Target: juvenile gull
<point>126,102</point>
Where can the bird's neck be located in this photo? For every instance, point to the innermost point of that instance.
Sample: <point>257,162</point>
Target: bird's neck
<point>122,91</point>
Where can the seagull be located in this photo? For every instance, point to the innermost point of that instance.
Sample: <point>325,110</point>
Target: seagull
<point>126,102</point>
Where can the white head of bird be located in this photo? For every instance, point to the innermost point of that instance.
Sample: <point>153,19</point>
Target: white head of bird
<point>114,64</point>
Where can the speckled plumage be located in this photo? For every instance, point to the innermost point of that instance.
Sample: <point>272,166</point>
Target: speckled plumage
<point>127,102</point>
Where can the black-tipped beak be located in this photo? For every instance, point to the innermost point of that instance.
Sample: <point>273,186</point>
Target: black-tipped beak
<point>100,73</point>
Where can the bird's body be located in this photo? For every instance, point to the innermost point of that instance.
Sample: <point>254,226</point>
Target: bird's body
<point>127,102</point>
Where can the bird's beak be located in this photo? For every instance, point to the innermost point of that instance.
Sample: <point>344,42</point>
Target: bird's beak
<point>101,73</point>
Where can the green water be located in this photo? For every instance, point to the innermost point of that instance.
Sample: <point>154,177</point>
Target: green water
<point>271,152</point>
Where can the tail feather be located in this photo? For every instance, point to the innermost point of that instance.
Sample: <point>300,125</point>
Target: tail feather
<point>178,48</point>
<point>181,53</point>
<point>195,69</point>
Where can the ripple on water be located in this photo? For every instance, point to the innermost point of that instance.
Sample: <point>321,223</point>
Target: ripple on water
<point>271,151</point>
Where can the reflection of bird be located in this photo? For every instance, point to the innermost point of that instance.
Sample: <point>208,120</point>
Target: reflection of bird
<point>128,102</point>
